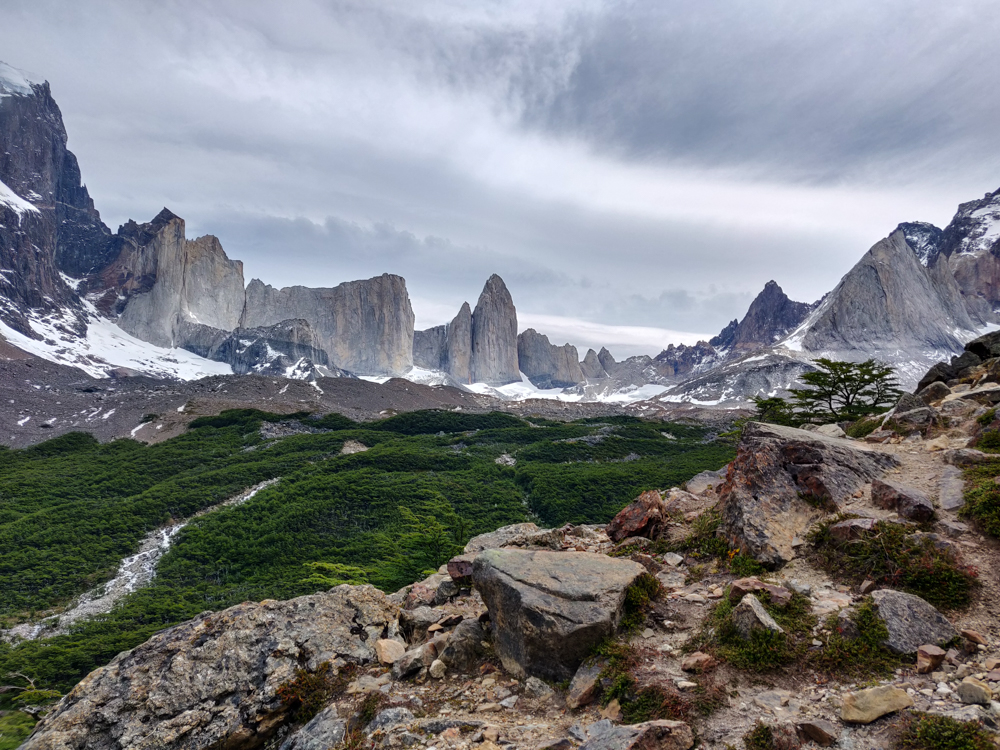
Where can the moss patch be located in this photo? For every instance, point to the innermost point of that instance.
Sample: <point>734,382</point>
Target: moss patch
<point>764,650</point>
<point>928,732</point>
<point>646,589</point>
<point>15,726</point>
<point>982,497</point>
<point>861,657</point>
<point>765,737</point>
<point>893,556</point>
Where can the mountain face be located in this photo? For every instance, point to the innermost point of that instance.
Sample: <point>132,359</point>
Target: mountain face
<point>447,348</point>
<point>770,317</point>
<point>547,365</point>
<point>366,327</point>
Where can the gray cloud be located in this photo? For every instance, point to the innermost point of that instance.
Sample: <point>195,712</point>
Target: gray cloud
<point>627,163</point>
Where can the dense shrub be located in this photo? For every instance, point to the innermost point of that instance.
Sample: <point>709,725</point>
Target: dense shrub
<point>982,497</point>
<point>933,732</point>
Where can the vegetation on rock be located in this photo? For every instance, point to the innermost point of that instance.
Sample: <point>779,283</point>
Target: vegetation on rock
<point>920,731</point>
<point>982,497</point>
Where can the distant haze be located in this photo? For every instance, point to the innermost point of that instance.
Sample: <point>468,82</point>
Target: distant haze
<point>634,170</point>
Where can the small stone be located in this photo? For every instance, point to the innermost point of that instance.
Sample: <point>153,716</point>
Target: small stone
<point>661,734</point>
<point>389,651</point>
<point>993,676</point>
<point>694,598</point>
<point>749,615</point>
<point>742,586</point>
<point>864,706</point>
<point>991,664</point>
<point>697,662</point>
<point>612,711</point>
<point>929,658</point>
<point>971,690</point>
<point>438,669</point>
<point>487,708</point>
<point>853,528</point>
<point>535,687</point>
<point>673,559</point>
<point>491,734</point>
<point>451,733</point>
<point>820,731</point>
<point>584,685</point>
<point>686,684</point>
<point>435,628</point>
<point>509,702</point>
<point>866,586</point>
<point>974,636</point>
<point>648,633</point>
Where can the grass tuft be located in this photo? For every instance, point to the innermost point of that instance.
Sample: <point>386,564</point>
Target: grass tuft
<point>647,588</point>
<point>921,731</point>
<point>860,657</point>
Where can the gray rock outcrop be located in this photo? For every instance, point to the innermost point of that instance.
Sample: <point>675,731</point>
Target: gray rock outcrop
<point>447,348</point>
<point>591,366</point>
<point>770,316</point>
<point>547,365</point>
<point>365,327</point>
<point>549,609</point>
<point>779,481</point>
<point>323,731</point>
<point>289,349</point>
<point>911,621</point>
<point>211,682</point>
<point>494,336</point>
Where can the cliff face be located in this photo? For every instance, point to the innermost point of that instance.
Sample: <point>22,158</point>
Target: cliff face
<point>447,348</point>
<point>168,282</point>
<point>769,318</point>
<point>547,365</point>
<point>591,366</point>
<point>365,327</point>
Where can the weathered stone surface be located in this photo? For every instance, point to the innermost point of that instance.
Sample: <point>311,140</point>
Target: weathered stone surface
<point>831,430</point>
<point>906,501</point>
<point>770,316</point>
<point>591,366</point>
<point>929,658</point>
<point>820,731</point>
<point>322,732</point>
<point>971,690</point>
<point>974,636</point>
<point>934,392</point>
<point>700,483</point>
<point>864,706</point>
<point>852,528</point>
<point>743,586</point>
<point>413,623</point>
<point>548,609</point>
<point>447,348</point>
<point>951,488</point>
<point>175,690</point>
<point>547,365</point>
<point>273,350</point>
<point>465,646</point>
<point>643,517</point>
<point>460,567</point>
<point>514,534</point>
<point>763,507</point>
<point>389,651</point>
<point>365,327</point>
<point>650,735</point>
<point>389,718</point>
<point>749,615</point>
<point>911,621</point>
<point>697,662</point>
<point>585,685</point>
<point>494,336</point>
<point>964,457</point>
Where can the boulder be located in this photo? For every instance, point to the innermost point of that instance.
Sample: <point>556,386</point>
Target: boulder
<point>906,501</point>
<point>460,568</point>
<point>177,689</point>
<point>585,685</point>
<point>389,718</point>
<point>323,731</point>
<point>515,535</point>
<point>831,430</point>
<point>697,662</point>
<point>929,658</point>
<point>911,621</point>
<point>413,623</point>
<point>852,528</point>
<point>915,418</point>
<point>650,735</point>
<point>780,478</point>
<point>548,609</point>
<point>749,616</point>
<point>465,646</point>
<point>824,733</point>
<point>939,373</point>
<point>864,706</point>
<point>936,391</point>
<point>389,651</point>
<point>700,483</point>
<point>971,690</point>
<point>742,586</point>
<point>964,457</point>
<point>644,517</point>
<point>951,488</point>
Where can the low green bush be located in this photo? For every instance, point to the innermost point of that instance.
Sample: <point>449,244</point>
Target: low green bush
<point>920,731</point>
<point>15,726</point>
<point>857,658</point>
<point>982,497</point>
<point>892,555</point>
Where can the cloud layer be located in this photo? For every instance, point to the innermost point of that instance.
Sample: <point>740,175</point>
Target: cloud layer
<point>648,164</point>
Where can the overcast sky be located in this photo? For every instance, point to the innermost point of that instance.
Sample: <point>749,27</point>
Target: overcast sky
<point>633,170</point>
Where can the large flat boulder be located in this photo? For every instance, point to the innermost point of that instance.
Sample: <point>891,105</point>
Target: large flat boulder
<point>784,479</point>
<point>650,735</point>
<point>549,609</point>
<point>212,682</point>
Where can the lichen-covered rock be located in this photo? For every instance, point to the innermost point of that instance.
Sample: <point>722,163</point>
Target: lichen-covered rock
<point>549,609</point>
<point>779,478</point>
<point>212,682</point>
<point>911,621</point>
<point>325,730</point>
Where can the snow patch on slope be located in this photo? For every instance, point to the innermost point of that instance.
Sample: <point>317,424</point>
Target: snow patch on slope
<point>15,202</point>
<point>106,347</point>
<point>14,81</point>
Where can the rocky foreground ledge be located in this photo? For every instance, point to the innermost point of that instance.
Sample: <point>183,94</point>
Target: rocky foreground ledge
<point>508,644</point>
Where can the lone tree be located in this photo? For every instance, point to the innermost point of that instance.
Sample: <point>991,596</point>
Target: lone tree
<point>846,390</point>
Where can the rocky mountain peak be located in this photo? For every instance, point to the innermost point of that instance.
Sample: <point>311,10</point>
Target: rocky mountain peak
<point>770,317</point>
<point>725,338</point>
<point>923,237</point>
<point>547,365</point>
<point>494,336</point>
